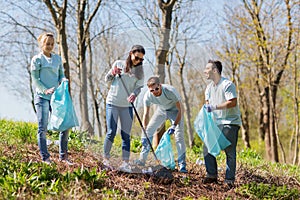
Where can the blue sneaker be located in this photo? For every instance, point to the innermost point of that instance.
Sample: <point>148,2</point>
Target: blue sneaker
<point>183,170</point>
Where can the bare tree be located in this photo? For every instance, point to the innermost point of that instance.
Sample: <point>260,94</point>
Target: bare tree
<point>58,14</point>
<point>163,49</point>
<point>296,132</point>
<point>83,23</point>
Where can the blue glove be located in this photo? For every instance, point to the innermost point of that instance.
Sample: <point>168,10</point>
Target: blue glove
<point>171,130</point>
<point>145,142</point>
<point>210,107</point>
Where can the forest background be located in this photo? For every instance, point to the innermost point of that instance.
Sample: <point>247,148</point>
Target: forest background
<point>256,40</point>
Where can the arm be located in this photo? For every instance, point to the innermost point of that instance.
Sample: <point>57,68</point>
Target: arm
<point>227,104</point>
<point>146,116</point>
<point>171,130</point>
<point>35,76</point>
<point>109,76</point>
<point>178,117</point>
<point>116,69</point>
<point>61,72</point>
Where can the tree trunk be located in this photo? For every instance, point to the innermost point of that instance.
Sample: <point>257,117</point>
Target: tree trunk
<point>81,63</point>
<point>84,20</point>
<point>161,52</point>
<point>186,108</point>
<point>93,96</point>
<point>296,114</point>
<point>265,122</point>
<point>60,25</point>
<point>245,119</point>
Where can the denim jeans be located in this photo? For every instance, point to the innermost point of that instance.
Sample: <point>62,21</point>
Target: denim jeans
<point>43,110</point>
<point>113,113</point>
<point>159,117</point>
<point>231,133</point>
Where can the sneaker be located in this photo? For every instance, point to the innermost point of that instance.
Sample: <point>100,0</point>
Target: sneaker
<point>183,170</point>
<point>139,162</point>
<point>209,180</point>
<point>125,167</point>
<point>229,185</point>
<point>106,164</point>
<point>47,161</point>
<point>67,161</point>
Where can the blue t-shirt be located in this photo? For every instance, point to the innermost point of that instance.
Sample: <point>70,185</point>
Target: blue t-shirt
<point>46,73</point>
<point>166,101</point>
<point>220,93</point>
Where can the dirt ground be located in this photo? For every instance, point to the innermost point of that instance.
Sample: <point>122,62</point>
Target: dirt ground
<point>148,186</point>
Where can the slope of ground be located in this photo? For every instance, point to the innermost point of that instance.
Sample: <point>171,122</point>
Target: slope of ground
<point>119,185</point>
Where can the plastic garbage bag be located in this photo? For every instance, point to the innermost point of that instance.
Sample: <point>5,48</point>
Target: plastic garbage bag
<point>164,152</point>
<point>210,133</point>
<point>63,115</point>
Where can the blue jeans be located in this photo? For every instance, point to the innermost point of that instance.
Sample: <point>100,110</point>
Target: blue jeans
<point>113,113</point>
<point>43,110</point>
<point>231,133</point>
<point>158,118</point>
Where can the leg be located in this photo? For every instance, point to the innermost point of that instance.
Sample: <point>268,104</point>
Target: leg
<point>111,121</point>
<point>42,111</point>
<point>210,164</point>
<point>63,145</point>
<point>231,133</point>
<point>179,139</point>
<point>126,124</point>
<point>156,121</point>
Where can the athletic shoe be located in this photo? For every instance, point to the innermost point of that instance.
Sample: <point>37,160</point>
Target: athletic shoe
<point>47,161</point>
<point>125,167</point>
<point>139,162</point>
<point>183,170</point>
<point>67,161</point>
<point>209,180</point>
<point>106,164</point>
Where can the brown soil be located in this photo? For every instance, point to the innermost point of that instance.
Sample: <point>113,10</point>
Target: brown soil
<point>145,186</point>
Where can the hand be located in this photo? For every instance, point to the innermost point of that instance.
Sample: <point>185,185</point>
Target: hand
<point>50,90</point>
<point>131,98</point>
<point>144,142</point>
<point>210,108</point>
<point>171,130</point>
<point>64,79</point>
<point>116,71</point>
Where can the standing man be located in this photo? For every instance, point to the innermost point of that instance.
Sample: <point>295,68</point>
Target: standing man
<point>221,99</point>
<point>169,107</point>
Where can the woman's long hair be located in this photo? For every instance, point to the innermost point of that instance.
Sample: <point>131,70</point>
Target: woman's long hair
<point>138,72</point>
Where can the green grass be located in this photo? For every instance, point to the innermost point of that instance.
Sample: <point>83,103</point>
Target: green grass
<point>29,180</point>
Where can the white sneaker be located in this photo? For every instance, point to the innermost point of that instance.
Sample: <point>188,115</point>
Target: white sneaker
<point>106,164</point>
<point>125,167</point>
<point>67,161</point>
<point>47,161</point>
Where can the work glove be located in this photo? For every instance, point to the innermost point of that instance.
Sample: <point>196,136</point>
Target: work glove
<point>171,130</point>
<point>116,71</point>
<point>64,79</point>
<point>210,108</point>
<point>131,98</point>
<point>145,142</point>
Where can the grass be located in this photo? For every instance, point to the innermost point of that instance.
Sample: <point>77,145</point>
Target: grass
<point>22,176</point>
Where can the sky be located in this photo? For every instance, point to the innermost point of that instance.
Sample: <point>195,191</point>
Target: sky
<point>15,108</point>
<point>18,108</point>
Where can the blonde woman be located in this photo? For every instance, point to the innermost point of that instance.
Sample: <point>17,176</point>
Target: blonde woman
<point>47,72</point>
